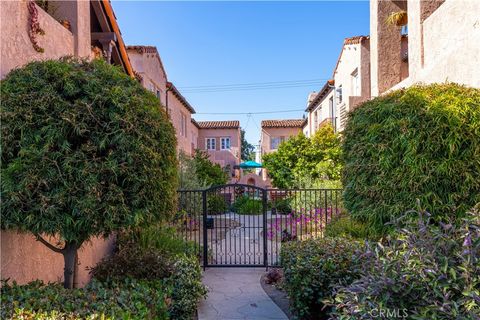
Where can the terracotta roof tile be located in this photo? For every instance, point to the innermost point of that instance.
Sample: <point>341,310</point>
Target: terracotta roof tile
<point>230,124</point>
<point>143,49</point>
<point>348,41</point>
<point>287,123</point>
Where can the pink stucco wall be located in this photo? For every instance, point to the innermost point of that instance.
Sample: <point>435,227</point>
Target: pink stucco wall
<point>267,133</point>
<point>176,109</point>
<point>24,259</point>
<point>222,157</point>
<point>16,47</point>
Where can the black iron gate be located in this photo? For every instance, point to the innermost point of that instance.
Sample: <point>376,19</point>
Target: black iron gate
<point>244,225</point>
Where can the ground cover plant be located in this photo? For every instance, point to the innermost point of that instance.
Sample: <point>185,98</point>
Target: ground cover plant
<point>420,142</point>
<point>86,151</point>
<point>427,271</point>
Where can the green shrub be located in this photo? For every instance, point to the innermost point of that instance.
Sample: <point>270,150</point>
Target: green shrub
<point>313,268</point>
<point>86,151</point>
<point>421,141</point>
<point>282,206</point>
<point>427,272</point>
<point>152,261</point>
<point>216,204</point>
<point>344,226</point>
<point>127,299</point>
<point>247,205</point>
<point>160,238</point>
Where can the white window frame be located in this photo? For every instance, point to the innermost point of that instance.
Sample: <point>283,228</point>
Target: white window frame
<point>210,143</point>
<point>340,94</point>
<point>223,143</point>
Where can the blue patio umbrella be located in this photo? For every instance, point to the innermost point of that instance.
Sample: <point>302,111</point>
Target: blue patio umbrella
<point>249,165</point>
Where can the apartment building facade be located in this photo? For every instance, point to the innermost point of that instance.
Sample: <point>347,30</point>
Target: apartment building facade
<point>84,29</point>
<point>441,43</point>
<point>274,132</point>
<point>222,141</point>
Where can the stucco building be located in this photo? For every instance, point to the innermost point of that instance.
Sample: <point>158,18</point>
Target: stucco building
<point>440,43</point>
<point>222,141</point>
<point>350,86</point>
<point>274,132</point>
<point>84,29</point>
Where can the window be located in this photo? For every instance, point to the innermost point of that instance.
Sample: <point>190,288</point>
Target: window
<point>183,125</point>
<point>210,144</point>
<point>355,83</point>
<point>225,143</point>
<point>275,142</point>
<point>159,94</point>
<point>340,94</point>
<point>315,120</point>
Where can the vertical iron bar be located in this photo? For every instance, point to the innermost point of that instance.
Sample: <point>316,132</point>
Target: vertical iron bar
<point>265,247</point>
<point>205,241</point>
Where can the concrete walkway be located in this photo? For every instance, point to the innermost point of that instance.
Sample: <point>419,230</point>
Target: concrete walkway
<point>236,293</point>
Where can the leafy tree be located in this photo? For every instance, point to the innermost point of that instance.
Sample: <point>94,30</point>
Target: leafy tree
<point>301,159</point>
<point>248,149</point>
<point>86,151</point>
<point>208,172</point>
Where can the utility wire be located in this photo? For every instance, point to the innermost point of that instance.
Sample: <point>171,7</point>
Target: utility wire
<point>255,84</point>
<point>247,113</point>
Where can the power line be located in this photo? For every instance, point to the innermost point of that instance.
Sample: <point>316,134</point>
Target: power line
<point>252,84</point>
<point>250,113</point>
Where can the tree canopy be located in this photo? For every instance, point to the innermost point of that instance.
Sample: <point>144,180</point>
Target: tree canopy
<point>299,157</point>
<point>248,149</point>
<point>86,151</point>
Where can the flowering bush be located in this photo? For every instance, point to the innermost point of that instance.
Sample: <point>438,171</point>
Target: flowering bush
<point>429,271</point>
<point>300,225</point>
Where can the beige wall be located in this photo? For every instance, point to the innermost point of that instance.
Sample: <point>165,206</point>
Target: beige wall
<point>24,259</point>
<point>175,111</point>
<point>16,47</point>
<point>222,157</point>
<point>355,57</point>
<point>320,113</point>
<point>443,43</point>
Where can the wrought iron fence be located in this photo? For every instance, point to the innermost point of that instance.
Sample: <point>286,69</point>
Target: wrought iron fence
<point>243,225</point>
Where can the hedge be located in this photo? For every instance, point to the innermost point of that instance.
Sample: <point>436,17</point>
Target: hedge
<point>422,142</point>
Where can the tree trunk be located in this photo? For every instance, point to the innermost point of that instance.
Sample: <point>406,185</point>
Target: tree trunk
<point>69,256</point>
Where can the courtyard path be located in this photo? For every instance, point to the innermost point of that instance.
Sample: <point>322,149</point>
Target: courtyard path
<point>236,293</point>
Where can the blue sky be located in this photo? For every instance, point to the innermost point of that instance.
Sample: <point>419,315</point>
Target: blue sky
<point>229,43</point>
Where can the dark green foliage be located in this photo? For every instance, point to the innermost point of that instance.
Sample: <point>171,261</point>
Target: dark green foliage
<point>127,299</point>
<point>209,173</point>
<point>216,204</point>
<point>86,151</point>
<point>422,142</point>
<point>248,149</point>
<point>427,271</point>
<point>313,268</point>
<point>316,158</point>
<point>247,205</point>
<point>344,226</point>
<point>140,258</point>
<point>282,206</point>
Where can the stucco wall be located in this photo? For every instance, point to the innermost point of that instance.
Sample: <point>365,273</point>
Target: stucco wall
<point>323,113</point>
<point>385,46</point>
<point>222,157</point>
<point>24,259</point>
<point>176,109</point>
<point>267,133</point>
<point>148,65</point>
<point>16,47</point>
<point>445,47</point>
